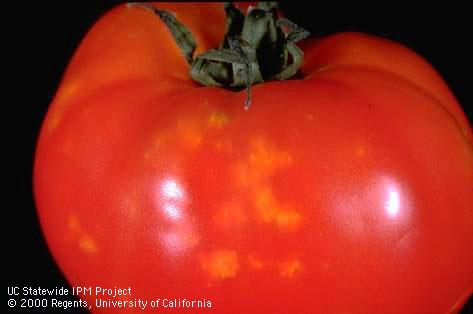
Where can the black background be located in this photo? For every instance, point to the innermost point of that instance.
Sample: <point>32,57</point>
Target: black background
<point>42,37</point>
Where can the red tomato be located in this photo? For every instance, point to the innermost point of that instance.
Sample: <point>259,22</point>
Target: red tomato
<point>349,190</point>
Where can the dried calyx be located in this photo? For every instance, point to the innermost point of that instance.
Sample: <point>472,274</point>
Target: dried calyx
<point>257,47</point>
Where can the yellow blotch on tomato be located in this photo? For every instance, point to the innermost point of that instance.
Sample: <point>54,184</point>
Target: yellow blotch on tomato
<point>221,264</point>
<point>217,119</point>
<point>87,244</point>
<point>270,210</point>
<point>190,132</point>
<point>60,103</point>
<point>290,269</point>
<point>255,263</point>
<point>265,159</point>
<point>255,174</point>
<point>75,232</point>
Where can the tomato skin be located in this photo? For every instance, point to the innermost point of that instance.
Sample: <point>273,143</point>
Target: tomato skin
<point>347,191</point>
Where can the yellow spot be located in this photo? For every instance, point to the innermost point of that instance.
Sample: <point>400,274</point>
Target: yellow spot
<point>288,219</point>
<point>63,94</point>
<point>290,268</point>
<point>155,144</point>
<point>217,120</point>
<point>255,174</point>
<point>53,121</point>
<point>221,264</point>
<point>67,91</point>
<point>254,262</point>
<point>265,203</point>
<point>190,132</point>
<point>270,211</point>
<point>87,244</point>
<point>248,176</point>
<point>265,158</point>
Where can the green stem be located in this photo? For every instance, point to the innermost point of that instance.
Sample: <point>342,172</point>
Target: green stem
<point>257,47</point>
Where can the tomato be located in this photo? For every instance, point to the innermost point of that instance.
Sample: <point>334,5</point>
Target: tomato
<point>349,189</point>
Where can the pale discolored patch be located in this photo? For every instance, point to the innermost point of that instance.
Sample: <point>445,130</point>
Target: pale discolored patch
<point>255,173</point>
<point>75,232</point>
<point>53,122</point>
<point>247,175</point>
<point>67,90</point>
<point>217,119</point>
<point>255,263</point>
<point>288,220</point>
<point>63,94</point>
<point>190,131</point>
<point>156,144</point>
<point>221,264</point>
<point>265,158</point>
<point>87,244</point>
<point>270,210</point>
<point>290,269</point>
